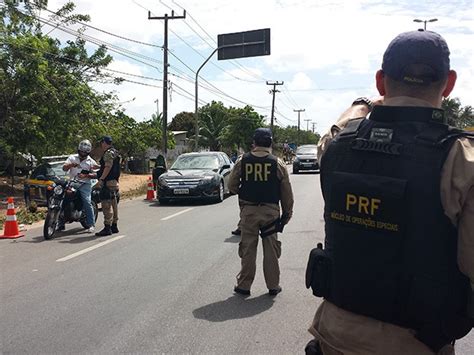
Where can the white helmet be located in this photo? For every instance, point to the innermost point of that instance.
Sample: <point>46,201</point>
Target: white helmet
<point>85,146</point>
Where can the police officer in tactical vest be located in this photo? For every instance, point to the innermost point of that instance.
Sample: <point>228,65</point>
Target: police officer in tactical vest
<point>108,176</point>
<point>262,183</point>
<point>397,267</point>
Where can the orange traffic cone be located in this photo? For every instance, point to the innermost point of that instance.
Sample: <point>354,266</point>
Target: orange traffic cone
<point>11,230</point>
<point>150,193</point>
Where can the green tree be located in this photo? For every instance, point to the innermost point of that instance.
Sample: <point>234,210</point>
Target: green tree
<point>290,134</point>
<point>458,116</point>
<point>133,138</point>
<point>213,121</point>
<point>183,121</point>
<point>242,124</point>
<point>46,103</point>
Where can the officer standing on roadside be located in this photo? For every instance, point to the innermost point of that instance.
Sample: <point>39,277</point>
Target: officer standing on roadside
<point>108,175</point>
<point>398,189</point>
<point>262,182</point>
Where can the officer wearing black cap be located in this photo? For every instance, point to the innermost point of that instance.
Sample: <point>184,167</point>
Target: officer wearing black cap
<point>262,183</point>
<point>108,175</point>
<point>397,268</point>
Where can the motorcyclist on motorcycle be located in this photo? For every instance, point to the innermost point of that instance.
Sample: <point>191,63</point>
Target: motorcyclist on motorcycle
<point>80,166</point>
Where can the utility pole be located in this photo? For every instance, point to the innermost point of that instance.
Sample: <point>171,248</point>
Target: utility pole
<point>307,124</point>
<point>298,136</point>
<point>165,73</point>
<point>273,91</point>
<point>314,124</point>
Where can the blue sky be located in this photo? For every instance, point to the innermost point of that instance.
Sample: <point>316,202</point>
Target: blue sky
<point>325,51</point>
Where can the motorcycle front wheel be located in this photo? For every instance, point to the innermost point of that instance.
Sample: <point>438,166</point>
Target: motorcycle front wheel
<point>50,223</point>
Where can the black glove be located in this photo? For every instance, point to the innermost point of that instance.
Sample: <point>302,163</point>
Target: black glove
<point>284,219</point>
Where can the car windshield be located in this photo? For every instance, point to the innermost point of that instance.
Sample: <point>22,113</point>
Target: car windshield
<point>306,151</point>
<point>206,162</point>
<point>49,170</point>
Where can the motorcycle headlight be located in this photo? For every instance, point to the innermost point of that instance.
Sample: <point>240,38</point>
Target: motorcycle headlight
<point>58,190</point>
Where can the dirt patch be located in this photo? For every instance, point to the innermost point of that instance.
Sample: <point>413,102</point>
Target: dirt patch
<point>128,183</point>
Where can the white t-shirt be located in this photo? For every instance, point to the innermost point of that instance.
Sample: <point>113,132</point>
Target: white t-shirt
<point>87,164</point>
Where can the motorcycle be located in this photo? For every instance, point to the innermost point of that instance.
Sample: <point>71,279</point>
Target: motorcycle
<point>65,201</point>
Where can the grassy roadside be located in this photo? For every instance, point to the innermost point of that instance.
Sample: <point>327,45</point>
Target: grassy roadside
<point>25,216</point>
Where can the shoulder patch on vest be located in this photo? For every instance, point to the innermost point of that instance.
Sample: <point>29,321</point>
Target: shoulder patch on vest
<point>351,128</point>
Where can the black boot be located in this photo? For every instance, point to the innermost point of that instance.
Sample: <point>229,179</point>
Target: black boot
<point>104,232</point>
<point>114,228</point>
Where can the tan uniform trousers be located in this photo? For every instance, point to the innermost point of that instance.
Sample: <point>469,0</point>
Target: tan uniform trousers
<point>252,218</point>
<point>109,207</point>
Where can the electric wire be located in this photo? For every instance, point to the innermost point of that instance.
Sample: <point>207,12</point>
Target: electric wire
<point>113,48</point>
<point>127,53</point>
<point>102,30</point>
<point>235,63</point>
<point>63,58</point>
<point>199,53</point>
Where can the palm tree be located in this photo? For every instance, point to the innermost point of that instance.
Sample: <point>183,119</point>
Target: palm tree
<point>213,121</point>
<point>457,115</point>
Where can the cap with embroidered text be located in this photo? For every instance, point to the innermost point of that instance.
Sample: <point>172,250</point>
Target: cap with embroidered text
<point>417,58</point>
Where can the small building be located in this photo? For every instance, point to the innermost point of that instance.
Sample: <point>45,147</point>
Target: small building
<point>180,148</point>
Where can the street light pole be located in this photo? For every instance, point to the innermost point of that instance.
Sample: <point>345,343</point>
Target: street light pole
<point>196,85</point>
<point>157,101</point>
<point>425,21</point>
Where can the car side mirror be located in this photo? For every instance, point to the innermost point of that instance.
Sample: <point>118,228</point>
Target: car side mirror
<point>41,177</point>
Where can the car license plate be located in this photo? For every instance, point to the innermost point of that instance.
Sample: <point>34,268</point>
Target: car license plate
<point>307,164</point>
<point>181,191</point>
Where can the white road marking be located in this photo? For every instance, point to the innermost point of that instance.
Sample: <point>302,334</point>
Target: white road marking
<point>69,257</point>
<point>177,214</point>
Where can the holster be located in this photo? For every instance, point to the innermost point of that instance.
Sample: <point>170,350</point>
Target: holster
<point>105,193</point>
<point>274,227</point>
<point>271,228</point>
<point>318,272</point>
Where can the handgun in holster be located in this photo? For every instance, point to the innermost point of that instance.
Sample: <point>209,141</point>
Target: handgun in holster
<point>318,272</point>
<point>274,227</point>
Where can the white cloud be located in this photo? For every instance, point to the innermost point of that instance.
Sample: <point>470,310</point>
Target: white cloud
<point>333,46</point>
<point>301,81</point>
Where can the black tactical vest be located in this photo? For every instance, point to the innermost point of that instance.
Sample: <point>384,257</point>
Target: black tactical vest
<point>393,251</point>
<point>259,179</point>
<point>114,173</point>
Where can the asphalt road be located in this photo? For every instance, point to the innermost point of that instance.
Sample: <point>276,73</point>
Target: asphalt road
<point>162,285</point>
